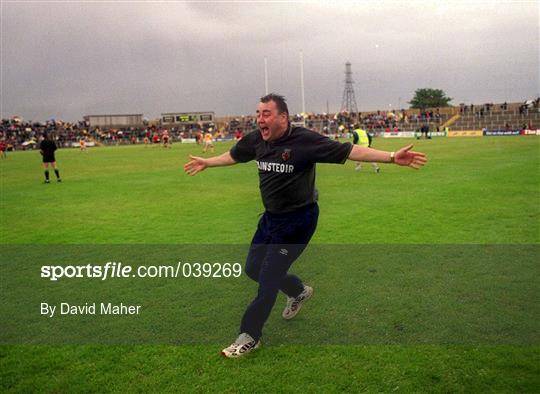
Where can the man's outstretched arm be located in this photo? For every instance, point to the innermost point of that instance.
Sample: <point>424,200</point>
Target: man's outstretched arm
<point>403,157</point>
<point>197,164</point>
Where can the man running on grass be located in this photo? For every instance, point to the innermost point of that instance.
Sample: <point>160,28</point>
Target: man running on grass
<point>286,158</point>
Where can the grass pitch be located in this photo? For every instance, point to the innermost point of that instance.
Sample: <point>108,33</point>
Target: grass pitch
<point>481,191</point>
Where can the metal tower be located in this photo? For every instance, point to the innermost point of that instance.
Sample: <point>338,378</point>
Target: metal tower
<point>348,103</point>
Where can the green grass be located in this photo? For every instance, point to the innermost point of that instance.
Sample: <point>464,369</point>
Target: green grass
<point>279,369</point>
<point>472,191</point>
<point>460,318</point>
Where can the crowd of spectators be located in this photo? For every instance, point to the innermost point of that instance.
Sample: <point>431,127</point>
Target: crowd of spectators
<point>17,133</point>
<point>379,121</point>
<point>400,119</point>
<point>25,135</point>
<point>488,108</point>
<point>530,105</point>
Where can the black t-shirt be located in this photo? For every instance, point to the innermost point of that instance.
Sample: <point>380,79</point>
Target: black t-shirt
<point>287,165</point>
<point>47,147</point>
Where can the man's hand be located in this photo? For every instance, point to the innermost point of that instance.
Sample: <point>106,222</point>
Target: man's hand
<point>407,157</point>
<point>198,164</point>
<point>195,165</point>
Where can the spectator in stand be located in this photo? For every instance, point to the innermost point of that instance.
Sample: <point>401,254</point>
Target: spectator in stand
<point>238,135</point>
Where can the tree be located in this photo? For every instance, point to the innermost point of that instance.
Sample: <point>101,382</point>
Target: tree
<point>429,98</point>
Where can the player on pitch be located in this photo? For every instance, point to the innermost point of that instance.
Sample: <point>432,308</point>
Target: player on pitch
<point>47,147</point>
<point>286,158</point>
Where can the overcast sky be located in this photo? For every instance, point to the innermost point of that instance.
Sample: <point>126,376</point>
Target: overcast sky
<point>64,60</point>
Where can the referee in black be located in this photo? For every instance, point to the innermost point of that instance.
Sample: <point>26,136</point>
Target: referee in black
<point>286,158</point>
<point>47,147</point>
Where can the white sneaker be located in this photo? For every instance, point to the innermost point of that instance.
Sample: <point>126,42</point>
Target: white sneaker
<point>294,304</point>
<point>243,345</point>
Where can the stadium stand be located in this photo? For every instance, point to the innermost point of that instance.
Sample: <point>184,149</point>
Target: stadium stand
<point>516,116</point>
<point>19,134</point>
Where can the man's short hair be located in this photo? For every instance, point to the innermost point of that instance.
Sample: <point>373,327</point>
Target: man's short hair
<point>279,100</point>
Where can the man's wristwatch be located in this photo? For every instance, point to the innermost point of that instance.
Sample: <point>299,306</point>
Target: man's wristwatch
<point>392,154</point>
